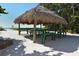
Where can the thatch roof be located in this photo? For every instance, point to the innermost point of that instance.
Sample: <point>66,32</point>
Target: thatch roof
<point>40,15</point>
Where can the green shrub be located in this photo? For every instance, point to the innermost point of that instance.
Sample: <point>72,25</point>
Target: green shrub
<point>1,29</point>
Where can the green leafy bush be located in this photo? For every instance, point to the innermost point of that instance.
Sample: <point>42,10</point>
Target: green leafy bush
<point>1,29</point>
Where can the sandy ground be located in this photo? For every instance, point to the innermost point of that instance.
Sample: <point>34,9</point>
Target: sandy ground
<point>66,46</point>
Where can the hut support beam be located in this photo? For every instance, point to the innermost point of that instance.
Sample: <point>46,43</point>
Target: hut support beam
<point>34,33</point>
<point>19,31</point>
<point>40,25</point>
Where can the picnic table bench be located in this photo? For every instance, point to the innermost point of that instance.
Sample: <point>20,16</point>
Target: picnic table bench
<point>44,33</point>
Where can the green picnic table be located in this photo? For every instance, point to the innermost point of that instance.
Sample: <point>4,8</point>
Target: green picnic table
<point>43,33</point>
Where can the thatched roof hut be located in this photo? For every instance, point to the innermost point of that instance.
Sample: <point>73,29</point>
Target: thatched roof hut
<point>40,15</point>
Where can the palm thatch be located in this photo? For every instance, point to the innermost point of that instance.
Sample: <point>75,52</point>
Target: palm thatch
<point>40,15</point>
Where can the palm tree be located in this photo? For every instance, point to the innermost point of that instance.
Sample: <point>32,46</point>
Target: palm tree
<point>2,10</point>
<point>69,11</point>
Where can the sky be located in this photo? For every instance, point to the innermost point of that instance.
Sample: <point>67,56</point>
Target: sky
<point>14,10</point>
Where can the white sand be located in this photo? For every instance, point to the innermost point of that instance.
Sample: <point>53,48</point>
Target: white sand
<point>67,46</point>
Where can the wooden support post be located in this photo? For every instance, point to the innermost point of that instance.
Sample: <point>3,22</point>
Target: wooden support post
<point>60,30</point>
<point>19,31</point>
<point>34,33</point>
<point>41,25</point>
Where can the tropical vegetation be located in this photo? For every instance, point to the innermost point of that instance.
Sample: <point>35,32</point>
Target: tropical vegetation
<point>2,11</point>
<point>69,11</point>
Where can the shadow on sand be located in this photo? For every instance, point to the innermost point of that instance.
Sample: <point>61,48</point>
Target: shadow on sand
<point>17,49</point>
<point>67,44</point>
